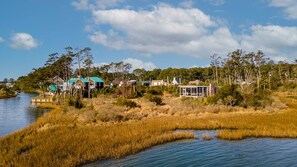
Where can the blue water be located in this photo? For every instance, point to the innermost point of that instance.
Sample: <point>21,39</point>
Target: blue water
<point>249,152</point>
<point>17,113</point>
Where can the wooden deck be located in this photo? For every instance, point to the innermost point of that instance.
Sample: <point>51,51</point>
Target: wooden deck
<point>41,100</point>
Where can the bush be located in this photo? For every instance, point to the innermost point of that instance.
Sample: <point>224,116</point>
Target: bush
<point>107,90</point>
<point>75,102</point>
<point>250,97</point>
<point>287,87</point>
<point>95,93</point>
<point>256,98</point>
<point>155,99</point>
<point>228,95</point>
<point>156,90</point>
<point>127,103</point>
<point>173,90</point>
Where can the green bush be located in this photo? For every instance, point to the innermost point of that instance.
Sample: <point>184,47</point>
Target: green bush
<point>250,97</point>
<point>173,90</point>
<point>228,95</point>
<point>95,93</point>
<point>155,90</point>
<point>287,87</point>
<point>155,99</point>
<point>141,89</point>
<point>107,90</point>
<point>75,102</point>
<point>256,98</point>
<point>127,103</point>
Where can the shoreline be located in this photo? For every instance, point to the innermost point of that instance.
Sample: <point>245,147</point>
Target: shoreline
<point>81,142</point>
<point>7,96</point>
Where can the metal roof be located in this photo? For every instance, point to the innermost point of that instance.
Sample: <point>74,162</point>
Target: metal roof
<point>84,80</point>
<point>192,86</point>
<point>71,80</point>
<point>54,87</point>
<point>96,79</point>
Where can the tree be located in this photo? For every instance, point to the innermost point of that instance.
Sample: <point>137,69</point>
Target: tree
<point>5,80</point>
<point>139,72</point>
<point>88,60</point>
<point>260,61</point>
<point>215,64</point>
<point>11,80</point>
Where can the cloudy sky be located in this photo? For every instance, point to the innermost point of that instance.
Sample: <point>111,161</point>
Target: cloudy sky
<point>146,33</point>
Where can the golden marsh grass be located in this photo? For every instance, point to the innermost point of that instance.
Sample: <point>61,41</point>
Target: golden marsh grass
<point>60,138</point>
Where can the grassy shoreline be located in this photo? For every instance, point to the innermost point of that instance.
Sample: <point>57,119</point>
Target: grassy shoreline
<point>60,139</point>
<point>5,96</point>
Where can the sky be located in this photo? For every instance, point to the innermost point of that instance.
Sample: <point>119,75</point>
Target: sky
<point>145,33</point>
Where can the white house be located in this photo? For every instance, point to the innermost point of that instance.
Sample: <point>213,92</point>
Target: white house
<point>176,81</point>
<point>158,83</point>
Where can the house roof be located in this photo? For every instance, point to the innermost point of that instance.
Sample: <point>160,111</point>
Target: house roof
<point>54,87</point>
<point>157,81</point>
<point>72,80</point>
<point>96,79</point>
<point>84,80</point>
<point>192,86</point>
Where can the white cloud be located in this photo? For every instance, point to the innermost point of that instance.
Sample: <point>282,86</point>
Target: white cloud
<point>164,29</point>
<point>103,4</point>
<point>216,2</point>
<point>187,4</point>
<point>290,7</point>
<point>274,40</point>
<point>81,4</point>
<point>188,32</point>
<point>95,4</point>
<point>136,63</point>
<point>1,40</point>
<point>23,41</point>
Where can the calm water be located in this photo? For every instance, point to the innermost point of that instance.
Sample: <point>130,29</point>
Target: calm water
<point>17,113</point>
<point>249,152</point>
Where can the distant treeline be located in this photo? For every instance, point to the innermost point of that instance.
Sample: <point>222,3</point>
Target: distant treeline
<point>238,67</point>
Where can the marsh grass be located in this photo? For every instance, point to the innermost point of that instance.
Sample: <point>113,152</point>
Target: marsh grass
<point>45,106</point>
<point>57,140</point>
<point>60,138</point>
<point>206,136</point>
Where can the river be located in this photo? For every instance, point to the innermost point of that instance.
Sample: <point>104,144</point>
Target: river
<point>17,113</point>
<point>249,152</point>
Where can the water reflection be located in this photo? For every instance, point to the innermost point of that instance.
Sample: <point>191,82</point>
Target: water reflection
<point>250,152</point>
<point>17,112</point>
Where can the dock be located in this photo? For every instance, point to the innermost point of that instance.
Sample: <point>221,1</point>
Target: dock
<point>41,100</point>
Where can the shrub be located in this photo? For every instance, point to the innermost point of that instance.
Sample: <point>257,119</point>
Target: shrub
<point>157,90</point>
<point>256,98</point>
<point>95,93</point>
<point>155,99</point>
<point>173,90</point>
<point>228,95</point>
<point>287,86</point>
<point>75,102</point>
<point>107,90</point>
<point>127,103</point>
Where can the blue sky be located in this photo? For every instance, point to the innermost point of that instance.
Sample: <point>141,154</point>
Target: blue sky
<point>146,33</point>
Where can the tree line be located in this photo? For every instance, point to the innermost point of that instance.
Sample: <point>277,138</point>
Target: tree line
<point>238,67</point>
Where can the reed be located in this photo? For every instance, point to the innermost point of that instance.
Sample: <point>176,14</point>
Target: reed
<point>60,138</point>
<point>206,136</point>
